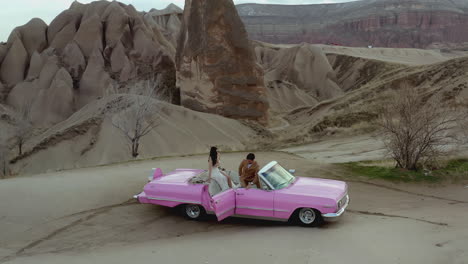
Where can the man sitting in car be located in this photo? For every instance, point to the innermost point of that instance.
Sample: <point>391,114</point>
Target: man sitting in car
<point>248,172</point>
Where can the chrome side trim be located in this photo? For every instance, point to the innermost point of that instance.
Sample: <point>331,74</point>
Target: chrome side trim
<point>225,211</point>
<point>261,217</point>
<point>172,200</point>
<point>333,216</point>
<point>263,209</point>
<point>254,208</point>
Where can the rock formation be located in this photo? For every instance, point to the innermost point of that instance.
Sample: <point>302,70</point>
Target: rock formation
<point>88,51</point>
<point>304,65</point>
<point>168,21</point>
<point>216,68</point>
<point>382,23</point>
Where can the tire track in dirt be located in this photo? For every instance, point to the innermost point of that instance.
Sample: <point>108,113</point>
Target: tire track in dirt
<point>453,201</point>
<point>93,213</point>
<point>340,177</point>
<point>396,216</point>
<point>131,201</point>
<point>35,243</point>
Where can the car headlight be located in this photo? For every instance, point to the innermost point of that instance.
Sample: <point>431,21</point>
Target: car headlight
<point>340,203</point>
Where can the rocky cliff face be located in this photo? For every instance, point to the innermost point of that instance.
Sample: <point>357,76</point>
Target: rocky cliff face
<point>168,22</point>
<point>216,68</point>
<point>304,65</point>
<point>296,75</point>
<point>87,52</point>
<point>384,23</point>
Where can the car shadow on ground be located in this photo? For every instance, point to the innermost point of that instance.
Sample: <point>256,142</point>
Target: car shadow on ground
<point>239,221</point>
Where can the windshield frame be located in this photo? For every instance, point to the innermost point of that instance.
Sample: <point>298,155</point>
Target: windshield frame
<point>288,180</point>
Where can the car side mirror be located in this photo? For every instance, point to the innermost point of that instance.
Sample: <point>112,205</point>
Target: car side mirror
<point>292,171</point>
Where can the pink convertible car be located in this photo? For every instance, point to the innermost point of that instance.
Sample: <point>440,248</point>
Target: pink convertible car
<point>283,197</point>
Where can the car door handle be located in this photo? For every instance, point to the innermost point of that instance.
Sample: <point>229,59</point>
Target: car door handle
<point>240,194</point>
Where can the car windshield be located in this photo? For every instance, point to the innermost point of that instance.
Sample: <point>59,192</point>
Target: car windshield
<point>278,177</point>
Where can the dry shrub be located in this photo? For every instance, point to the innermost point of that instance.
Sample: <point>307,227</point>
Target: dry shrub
<point>23,126</point>
<point>139,118</point>
<point>417,130</point>
<point>4,153</point>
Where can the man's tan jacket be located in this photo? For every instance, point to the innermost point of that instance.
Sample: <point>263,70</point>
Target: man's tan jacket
<point>248,174</point>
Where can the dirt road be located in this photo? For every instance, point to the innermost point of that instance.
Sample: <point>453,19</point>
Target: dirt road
<point>85,216</point>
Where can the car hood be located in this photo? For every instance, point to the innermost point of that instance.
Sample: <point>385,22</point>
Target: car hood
<point>317,187</point>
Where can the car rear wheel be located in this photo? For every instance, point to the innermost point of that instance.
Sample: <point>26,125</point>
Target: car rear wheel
<point>193,211</point>
<point>308,217</point>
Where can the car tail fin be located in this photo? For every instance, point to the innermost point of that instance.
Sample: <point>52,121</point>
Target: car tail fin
<point>157,173</point>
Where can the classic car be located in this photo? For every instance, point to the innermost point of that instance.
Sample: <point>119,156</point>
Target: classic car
<point>283,196</point>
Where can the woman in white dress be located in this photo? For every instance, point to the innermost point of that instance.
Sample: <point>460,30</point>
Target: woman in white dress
<point>215,175</point>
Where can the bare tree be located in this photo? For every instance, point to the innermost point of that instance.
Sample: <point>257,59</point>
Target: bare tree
<point>24,126</point>
<point>4,153</point>
<point>140,118</point>
<point>417,130</point>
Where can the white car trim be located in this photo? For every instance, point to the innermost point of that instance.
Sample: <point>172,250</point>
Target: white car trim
<point>265,168</point>
<point>172,200</point>
<point>268,166</point>
<point>265,181</point>
<point>257,208</point>
<point>253,208</point>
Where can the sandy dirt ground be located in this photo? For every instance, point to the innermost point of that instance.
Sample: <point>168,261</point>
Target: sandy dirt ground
<point>406,56</point>
<point>87,216</point>
<point>341,150</point>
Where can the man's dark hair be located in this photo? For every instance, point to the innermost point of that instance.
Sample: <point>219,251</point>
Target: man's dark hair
<point>251,156</point>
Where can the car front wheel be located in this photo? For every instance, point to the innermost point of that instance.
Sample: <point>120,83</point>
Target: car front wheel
<point>193,211</point>
<point>309,217</point>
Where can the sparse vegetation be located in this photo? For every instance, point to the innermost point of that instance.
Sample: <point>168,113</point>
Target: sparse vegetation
<point>140,118</point>
<point>4,153</point>
<point>417,130</point>
<point>452,170</point>
<point>24,126</point>
<point>344,121</point>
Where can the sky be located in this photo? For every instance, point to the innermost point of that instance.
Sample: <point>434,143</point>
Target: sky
<point>18,12</point>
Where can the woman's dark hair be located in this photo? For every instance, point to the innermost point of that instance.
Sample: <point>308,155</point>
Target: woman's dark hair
<point>214,155</point>
<point>251,156</point>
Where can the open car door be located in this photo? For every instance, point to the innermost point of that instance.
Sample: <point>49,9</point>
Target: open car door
<point>224,204</point>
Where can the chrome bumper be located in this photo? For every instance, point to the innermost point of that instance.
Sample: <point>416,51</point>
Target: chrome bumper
<point>335,216</point>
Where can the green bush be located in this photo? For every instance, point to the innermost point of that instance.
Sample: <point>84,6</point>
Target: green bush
<point>453,170</point>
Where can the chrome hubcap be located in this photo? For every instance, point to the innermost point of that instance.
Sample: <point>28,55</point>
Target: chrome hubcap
<point>307,215</point>
<point>193,211</point>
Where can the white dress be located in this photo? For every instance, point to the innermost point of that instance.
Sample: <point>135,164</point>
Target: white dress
<point>220,179</point>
